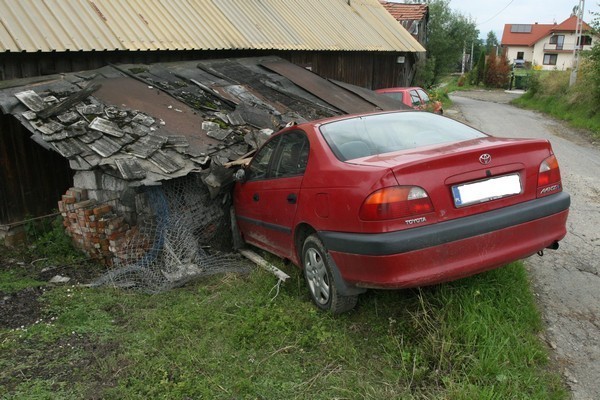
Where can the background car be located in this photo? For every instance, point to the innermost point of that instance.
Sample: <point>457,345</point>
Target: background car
<point>396,200</point>
<point>414,97</point>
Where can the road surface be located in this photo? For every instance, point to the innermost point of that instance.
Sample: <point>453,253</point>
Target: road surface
<point>566,281</point>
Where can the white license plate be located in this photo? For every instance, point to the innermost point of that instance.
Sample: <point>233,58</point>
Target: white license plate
<point>489,189</point>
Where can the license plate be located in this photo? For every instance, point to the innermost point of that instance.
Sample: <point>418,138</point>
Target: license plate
<point>489,189</point>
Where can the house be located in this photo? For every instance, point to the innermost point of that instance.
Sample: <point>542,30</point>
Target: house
<point>545,46</point>
<point>351,42</point>
<point>413,17</point>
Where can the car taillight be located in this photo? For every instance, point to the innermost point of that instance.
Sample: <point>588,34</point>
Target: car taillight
<point>395,202</point>
<point>549,177</point>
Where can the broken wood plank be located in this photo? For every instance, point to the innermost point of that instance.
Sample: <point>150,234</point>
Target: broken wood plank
<point>261,262</point>
<point>69,102</point>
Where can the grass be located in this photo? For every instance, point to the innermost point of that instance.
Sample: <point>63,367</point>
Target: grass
<point>235,337</point>
<point>551,94</point>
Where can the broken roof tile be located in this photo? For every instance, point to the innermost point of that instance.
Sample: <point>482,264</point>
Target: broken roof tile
<point>68,117</point>
<point>175,141</point>
<point>69,147</point>
<point>106,126</point>
<point>50,128</point>
<point>90,136</point>
<point>139,129</point>
<point>29,115</point>
<point>79,163</point>
<point>91,109</point>
<point>105,146</point>
<point>147,145</point>
<point>143,119</point>
<point>130,168</point>
<point>167,164</point>
<point>219,133</point>
<point>31,100</point>
<point>62,135</point>
<point>78,128</point>
<point>124,140</point>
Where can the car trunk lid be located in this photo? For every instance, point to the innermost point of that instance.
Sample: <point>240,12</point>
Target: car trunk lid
<point>469,177</point>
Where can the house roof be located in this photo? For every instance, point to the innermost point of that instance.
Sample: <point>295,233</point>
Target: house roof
<point>406,12</point>
<point>537,32</point>
<point>135,25</point>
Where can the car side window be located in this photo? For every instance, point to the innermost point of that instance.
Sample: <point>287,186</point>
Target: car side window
<point>423,95</point>
<point>414,98</point>
<point>292,156</point>
<point>259,167</point>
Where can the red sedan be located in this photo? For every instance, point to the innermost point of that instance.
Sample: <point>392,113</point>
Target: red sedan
<point>397,200</point>
<point>414,97</point>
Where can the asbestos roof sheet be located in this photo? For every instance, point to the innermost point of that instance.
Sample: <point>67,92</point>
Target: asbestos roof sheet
<point>146,25</point>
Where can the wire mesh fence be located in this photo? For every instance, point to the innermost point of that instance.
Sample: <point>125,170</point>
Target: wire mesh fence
<point>181,234</point>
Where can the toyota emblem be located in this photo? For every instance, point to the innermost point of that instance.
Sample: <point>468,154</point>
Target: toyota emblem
<point>485,159</point>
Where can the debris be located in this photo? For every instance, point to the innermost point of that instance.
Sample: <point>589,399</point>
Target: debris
<point>60,279</point>
<point>261,262</point>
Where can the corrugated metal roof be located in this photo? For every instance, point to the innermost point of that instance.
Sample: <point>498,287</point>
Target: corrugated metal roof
<point>98,25</point>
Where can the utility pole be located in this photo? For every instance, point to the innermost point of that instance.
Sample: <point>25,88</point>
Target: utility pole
<point>576,49</point>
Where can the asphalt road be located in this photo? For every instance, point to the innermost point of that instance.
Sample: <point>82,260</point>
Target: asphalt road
<point>566,281</point>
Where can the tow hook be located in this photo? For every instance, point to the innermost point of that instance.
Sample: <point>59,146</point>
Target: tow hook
<point>541,253</point>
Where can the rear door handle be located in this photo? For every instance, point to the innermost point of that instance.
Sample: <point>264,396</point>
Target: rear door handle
<point>292,198</point>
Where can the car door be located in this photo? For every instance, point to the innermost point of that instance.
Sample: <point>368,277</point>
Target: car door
<point>267,201</point>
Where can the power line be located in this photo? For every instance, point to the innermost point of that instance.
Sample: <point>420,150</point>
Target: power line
<point>495,15</point>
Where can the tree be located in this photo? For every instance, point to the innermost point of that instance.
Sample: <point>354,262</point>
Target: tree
<point>491,42</point>
<point>497,71</point>
<point>448,33</point>
<point>480,68</point>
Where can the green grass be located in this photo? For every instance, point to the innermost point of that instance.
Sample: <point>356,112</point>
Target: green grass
<point>232,337</point>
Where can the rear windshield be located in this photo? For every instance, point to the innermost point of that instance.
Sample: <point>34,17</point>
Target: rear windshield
<point>384,133</point>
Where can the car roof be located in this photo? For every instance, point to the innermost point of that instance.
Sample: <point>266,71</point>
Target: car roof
<point>399,89</point>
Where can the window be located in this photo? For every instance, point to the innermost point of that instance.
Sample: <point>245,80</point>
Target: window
<point>424,96</point>
<point>383,133</point>
<point>550,59</point>
<point>259,167</point>
<point>558,40</point>
<point>283,156</point>
<point>292,155</point>
<point>520,55</point>
<point>586,40</point>
<point>414,98</point>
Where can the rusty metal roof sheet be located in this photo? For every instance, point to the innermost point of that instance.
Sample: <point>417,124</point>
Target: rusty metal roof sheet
<point>139,25</point>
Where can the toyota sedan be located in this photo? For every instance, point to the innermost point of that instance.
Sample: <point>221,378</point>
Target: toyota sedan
<point>397,200</point>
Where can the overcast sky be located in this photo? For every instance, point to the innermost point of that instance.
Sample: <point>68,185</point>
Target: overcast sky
<point>493,15</point>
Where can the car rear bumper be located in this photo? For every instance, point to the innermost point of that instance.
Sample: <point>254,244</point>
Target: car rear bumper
<point>449,250</point>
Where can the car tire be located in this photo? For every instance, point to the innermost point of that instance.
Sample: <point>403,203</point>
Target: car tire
<point>320,278</point>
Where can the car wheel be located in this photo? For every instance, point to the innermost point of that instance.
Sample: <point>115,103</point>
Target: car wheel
<point>320,278</point>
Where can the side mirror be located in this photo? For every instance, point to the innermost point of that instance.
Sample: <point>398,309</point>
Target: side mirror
<point>240,175</point>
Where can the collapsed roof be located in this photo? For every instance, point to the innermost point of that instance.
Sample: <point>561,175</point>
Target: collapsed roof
<point>149,123</point>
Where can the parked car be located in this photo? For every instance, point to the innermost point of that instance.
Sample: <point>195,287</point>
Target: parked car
<point>396,200</point>
<point>414,97</point>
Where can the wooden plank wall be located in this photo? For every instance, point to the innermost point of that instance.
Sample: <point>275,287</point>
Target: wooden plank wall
<point>32,179</point>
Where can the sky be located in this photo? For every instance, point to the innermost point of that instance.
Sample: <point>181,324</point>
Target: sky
<point>493,15</point>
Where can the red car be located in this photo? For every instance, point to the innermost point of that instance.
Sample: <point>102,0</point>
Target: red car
<point>414,97</point>
<point>397,200</point>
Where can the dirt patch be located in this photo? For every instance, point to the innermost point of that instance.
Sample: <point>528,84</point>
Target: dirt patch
<point>22,308</point>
